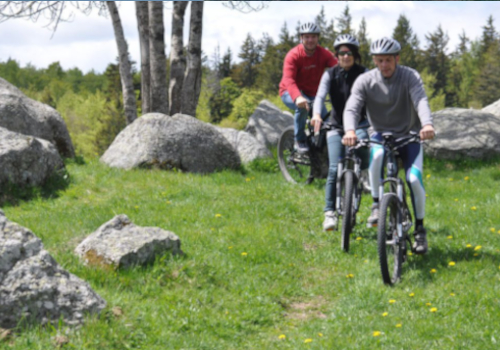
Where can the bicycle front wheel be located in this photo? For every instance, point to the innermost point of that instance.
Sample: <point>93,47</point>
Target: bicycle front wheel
<point>295,167</point>
<point>348,211</point>
<point>390,251</point>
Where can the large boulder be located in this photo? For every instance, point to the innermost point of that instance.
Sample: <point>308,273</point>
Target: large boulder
<point>180,141</point>
<point>248,147</point>
<point>26,160</point>
<point>33,287</point>
<point>493,108</point>
<point>268,122</point>
<point>120,244</point>
<point>21,114</point>
<point>464,133</point>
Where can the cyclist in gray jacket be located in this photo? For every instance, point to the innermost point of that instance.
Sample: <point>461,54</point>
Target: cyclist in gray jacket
<point>395,102</point>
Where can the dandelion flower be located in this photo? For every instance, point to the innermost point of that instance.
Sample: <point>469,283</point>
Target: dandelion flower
<point>366,261</point>
<point>492,229</point>
<point>428,304</point>
<point>456,199</point>
<point>392,301</point>
<point>282,336</point>
<point>244,254</point>
<point>359,239</point>
<point>308,340</point>
<point>399,325</point>
<point>434,309</point>
<point>428,176</point>
<point>478,247</point>
<point>230,247</point>
<point>473,208</point>
<point>320,334</point>
<point>452,294</point>
<point>218,215</point>
<point>450,237</point>
<point>136,207</point>
<point>247,179</point>
<point>468,246</point>
<point>451,263</point>
<point>350,275</point>
<point>433,270</point>
<point>376,334</point>
<point>466,178</point>
<point>411,295</point>
<point>385,314</point>
<point>498,232</point>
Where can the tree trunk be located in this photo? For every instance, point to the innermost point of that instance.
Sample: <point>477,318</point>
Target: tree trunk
<point>143,27</point>
<point>192,80</point>
<point>158,60</point>
<point>129,101</point>
<point>177,59</point>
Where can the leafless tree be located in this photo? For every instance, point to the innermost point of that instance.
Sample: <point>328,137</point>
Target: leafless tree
<point>177,58</point>
<point>143,28</point>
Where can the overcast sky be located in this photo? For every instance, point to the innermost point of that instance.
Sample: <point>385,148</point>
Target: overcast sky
<point>88,42</point>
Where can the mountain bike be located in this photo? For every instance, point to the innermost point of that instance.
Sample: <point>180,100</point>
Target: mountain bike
<point>303,168</point>
<point>395,220</point>
<point>349,190</point>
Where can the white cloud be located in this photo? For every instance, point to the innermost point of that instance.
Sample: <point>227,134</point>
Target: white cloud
<point>88,43</point>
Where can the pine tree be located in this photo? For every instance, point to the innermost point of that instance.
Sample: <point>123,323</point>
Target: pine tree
<point>488,83</point>
<point>403,33</point>
<point>489,37</point>
<point>344,22</point>
<point>437,60</point>
<point>251,56</point>
<point>364,45</point>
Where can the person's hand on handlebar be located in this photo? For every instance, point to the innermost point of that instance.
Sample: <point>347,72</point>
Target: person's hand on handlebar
<point>350,138</point>
<point>302,102</point>
<point>427,132</point>
<point>316,122</point>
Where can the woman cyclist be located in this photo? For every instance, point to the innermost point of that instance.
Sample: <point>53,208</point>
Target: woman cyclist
<point>337,81</point>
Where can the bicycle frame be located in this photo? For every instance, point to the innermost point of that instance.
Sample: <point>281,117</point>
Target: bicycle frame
<point>349,163</point>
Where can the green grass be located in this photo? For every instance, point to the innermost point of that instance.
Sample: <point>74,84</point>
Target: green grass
<point>258,266</point>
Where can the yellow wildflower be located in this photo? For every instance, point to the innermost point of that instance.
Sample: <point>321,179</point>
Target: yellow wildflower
<point>466,178</point>
<point>359,239</point>
<point>308,340</point>
<point>350,275</point>
<point>282,336</point>
<point>320,334</point>
<point>492,229</point>
<point>433,270</point>
<point>392,301</point>
<point>411,295</point>
<point>247,179</point>
<point>399,325</point>
<point>385,314</point>
<point>428,304</point>
<point>469,246</point>
<point>218,215</point>
<point>376,334</point>
<point>451,263</point>
<point>244,254</point>
<point>473,208</point>
<point>428,176</point>
<point>230,247</point>
<point>478,247</point>
<point>452,294</point>
<point>450,237</point>
<point>456,199</point>
<point>434,309</point>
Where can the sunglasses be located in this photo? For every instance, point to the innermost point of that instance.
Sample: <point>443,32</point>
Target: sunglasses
<point>345,53</point>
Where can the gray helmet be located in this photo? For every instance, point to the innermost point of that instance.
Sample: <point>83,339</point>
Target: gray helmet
<point>385,46</point>
<point>345,39</point>
<point>309,28</point>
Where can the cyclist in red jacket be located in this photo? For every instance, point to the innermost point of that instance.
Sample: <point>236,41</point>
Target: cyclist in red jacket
<point>302,70</point>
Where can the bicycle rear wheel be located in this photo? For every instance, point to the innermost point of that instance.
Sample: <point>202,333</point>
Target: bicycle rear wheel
<point>295,167</point>
<point>348,210</point>
<point>390,252</point>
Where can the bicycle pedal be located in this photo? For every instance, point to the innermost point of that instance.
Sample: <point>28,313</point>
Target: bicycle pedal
<point>369,225</point>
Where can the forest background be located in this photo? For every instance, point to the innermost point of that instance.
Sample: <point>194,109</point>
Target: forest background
<point>233,83</point>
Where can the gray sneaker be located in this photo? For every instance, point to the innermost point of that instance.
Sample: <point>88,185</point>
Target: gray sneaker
<point>331,220</point>
<point>365,180</point>
<point>420,244</point>
<point>301,146</point>
<point>372,220</point>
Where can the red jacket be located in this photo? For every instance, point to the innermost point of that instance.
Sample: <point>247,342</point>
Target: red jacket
<point>302,72</point>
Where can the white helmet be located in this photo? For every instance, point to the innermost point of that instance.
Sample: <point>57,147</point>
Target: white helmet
<point>309,28</point>
<point>385,46</point>
<point>345,39</point>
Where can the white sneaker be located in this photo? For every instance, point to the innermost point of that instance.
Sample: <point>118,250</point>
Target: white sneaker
<point>365,180</point>
<point>331,220</point>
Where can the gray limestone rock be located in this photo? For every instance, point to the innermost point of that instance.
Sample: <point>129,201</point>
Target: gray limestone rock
<point>33,287</point>
<point>248,147</point>
<point>493,108</point>
<point>120,244</point>
<point>21,114</point>
<point>464,133</point>
<point>180,141</point>
<point>26,160</point>
<point>268,122</point>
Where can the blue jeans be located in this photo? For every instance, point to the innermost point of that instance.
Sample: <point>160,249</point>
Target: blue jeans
<point>336,151</point>
<point>300,115</point>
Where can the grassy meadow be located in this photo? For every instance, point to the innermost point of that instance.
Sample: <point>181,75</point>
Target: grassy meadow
<point>259,273</point>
